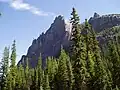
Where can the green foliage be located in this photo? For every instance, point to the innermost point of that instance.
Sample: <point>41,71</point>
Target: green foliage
<point>114,59</point>
<point>46,83</point>
<point>101,76</point>
<point>40,73</point>
<point>78,54</point>
<point>5,65</point>
<point>116,88</point>
<point>13,55</point>
<point>70,74</point>
<point>62,76</point>
<point>13,68</point>
<point>52,68</point>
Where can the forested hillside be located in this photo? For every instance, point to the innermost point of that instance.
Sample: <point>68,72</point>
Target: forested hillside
<point>92,63</point>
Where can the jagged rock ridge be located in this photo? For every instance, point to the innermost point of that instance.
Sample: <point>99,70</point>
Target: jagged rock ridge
<point>105,21</point>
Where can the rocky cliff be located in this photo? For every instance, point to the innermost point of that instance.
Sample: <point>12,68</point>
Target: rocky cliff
<point>105,21</point>
<point>50,42</point>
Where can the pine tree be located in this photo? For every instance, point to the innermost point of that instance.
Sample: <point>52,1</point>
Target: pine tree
<point>13,66</point>
<point>21,77</point>
<point>34,85</point>
<point>70,74</point>
<point>52,68</point>
<point>91,71</point>
<point>6,60</point>
<point>40,73</point>
<point>18,81</point>
<point>13,55</point>
<point>27,75</point>
<point>115,64</point>
<point>5,65</point>
<point>117,44</point>
<point>86,32</point>
<point>78,54</point>
<point>101,79</point>
<point>62,76</point>
<point>75,35</point>
<point>46,83</point>
<point>32,72</point>
<point>36,79</point>
<point>9,81</point>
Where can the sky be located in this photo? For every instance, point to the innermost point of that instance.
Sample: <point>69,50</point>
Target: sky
<point>25,20</point>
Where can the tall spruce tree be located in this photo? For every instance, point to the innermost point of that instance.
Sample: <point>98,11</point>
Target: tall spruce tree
<point>86,32</point>
<point>13,66</point>
<point>52,68</point>
<point>115,66</point>
<point>78,54</point>
<point>101,80</point>
<point>27,75</point>
<point>62,76</point>
<point>6,60</point>
<point>70,74</point>
<point>40,73</point>
<point>13,55</point>
<point>21,77</point>
<point>49,71</point>
<point>9,82</point>
<point>46,82</point>
<point>5,66</point>
<point>18,81</point>
<point>34,85</point>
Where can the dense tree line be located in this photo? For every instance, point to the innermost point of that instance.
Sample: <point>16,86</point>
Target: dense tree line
<point>86,67</point>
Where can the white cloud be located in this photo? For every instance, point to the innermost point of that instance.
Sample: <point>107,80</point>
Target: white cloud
<point>20,5</point>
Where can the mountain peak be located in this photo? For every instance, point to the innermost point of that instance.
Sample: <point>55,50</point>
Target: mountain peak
<point>96,15</point>
<point>59,17</point>
<point>49,43</point>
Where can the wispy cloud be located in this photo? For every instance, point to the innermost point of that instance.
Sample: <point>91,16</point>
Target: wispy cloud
<point>22,6</point>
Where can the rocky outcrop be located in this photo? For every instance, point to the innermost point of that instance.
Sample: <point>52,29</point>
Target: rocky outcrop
<point>49,44</point>
<point>105,21</point>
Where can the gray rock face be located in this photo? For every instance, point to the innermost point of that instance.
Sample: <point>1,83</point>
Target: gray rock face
<point>49,44</point>
<point>105,21</point>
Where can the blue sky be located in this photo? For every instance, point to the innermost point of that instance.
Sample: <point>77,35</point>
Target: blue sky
<point>25,20</point>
